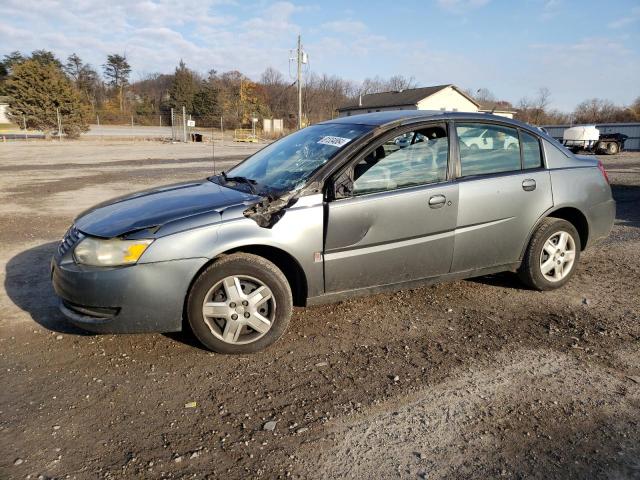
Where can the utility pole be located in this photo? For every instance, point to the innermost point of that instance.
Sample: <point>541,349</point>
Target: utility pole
<point>299,58</point>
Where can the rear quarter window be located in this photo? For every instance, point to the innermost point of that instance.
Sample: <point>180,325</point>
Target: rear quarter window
<point>531,152</point>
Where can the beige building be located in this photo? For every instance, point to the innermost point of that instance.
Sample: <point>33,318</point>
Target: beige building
<point>440,97</point>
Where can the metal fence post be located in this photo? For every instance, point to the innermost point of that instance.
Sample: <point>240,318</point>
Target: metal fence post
<point>24,124</point>
<point>59,124</point>
<point>184,124</point>
<point>173,128</point>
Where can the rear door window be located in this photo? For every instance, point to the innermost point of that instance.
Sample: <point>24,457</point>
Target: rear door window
<point>486,148</point>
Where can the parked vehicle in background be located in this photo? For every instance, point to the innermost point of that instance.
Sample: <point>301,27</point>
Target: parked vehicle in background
<point>486,139</point>
<point>588,138</point>
<point>334,210</point>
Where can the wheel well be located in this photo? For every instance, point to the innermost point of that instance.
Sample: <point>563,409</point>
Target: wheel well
<point>285,262</point>
<point>577,219</point>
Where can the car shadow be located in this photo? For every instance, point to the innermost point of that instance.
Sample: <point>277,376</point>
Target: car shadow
<point>28,285</point>
<point>502,279</point>
<point>627,199</point>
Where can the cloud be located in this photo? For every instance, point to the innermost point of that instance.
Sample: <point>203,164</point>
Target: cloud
<point>551,9</point>
<point>461,6</point>
<point>632,17</point>
<point>154,34</point>
<point>348,27</point>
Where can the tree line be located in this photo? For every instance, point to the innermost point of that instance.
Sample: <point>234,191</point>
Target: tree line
<point>42,88</point>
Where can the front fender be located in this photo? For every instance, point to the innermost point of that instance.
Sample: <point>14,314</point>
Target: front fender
<point>299,233</point>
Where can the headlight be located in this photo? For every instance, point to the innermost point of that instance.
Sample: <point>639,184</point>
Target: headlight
<point>109,253</point>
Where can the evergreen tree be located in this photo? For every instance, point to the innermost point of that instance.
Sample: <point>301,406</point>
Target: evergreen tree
<point>117,70</point>
<point>36,90</point>
<point>183,88</point>
<point>45,57</point>
<point>205,104</point>
<point>83,76</point>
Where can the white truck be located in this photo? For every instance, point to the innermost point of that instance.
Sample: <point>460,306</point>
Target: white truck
<point>588,137</point>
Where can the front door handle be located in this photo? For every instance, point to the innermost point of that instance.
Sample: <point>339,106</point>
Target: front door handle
<point>529,184</point>
<point>437,201</point>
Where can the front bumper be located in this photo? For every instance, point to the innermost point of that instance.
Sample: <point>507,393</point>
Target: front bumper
<point>146,297</point>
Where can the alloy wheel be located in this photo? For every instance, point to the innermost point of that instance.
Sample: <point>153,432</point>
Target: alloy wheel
<point>557,256</point>
<point>239,309</point>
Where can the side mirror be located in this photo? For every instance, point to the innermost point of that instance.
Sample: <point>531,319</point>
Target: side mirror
<point>343,186</point>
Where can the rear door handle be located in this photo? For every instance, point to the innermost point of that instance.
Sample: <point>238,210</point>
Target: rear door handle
<point>437,201</point>
<point>529,184</point>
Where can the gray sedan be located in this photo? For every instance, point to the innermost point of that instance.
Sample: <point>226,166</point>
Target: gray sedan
<point>332,211</point>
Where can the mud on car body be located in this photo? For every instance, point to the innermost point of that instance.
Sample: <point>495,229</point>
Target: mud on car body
<point>346,207</point>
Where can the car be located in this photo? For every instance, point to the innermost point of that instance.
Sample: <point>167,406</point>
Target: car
<point>483,138</point>
<point>329,212</point>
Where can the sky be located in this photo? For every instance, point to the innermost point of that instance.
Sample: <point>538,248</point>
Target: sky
<point>577,49</point>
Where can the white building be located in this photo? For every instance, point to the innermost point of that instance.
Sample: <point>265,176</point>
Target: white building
<point>440,97</point>
<point>4,108</point>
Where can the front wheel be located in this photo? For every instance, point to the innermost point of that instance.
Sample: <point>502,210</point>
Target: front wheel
<point>242,303</point>
<point>552,255</point>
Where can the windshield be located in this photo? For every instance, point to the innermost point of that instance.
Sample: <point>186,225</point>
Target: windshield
<point>287,164</point>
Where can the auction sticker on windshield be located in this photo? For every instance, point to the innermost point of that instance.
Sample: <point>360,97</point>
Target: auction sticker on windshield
<point>334,141</point>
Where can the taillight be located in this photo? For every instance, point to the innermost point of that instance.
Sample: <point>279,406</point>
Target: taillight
<point>603,171</point>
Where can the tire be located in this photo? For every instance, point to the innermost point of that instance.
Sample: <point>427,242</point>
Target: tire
<point>259,281</point>
<point>612,148</point>
<point>541,255</point>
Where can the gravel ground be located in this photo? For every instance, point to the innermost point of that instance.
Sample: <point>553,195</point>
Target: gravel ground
<point>472,379</point>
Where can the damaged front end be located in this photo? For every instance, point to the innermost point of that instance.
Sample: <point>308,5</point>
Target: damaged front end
<point>267,212</point>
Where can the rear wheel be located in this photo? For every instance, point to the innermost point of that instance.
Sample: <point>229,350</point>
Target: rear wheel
<point>552,255</point>
<point>612,148</point>
<point>242,303</point>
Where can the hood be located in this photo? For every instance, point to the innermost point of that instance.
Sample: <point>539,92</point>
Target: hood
<point>159,206</point>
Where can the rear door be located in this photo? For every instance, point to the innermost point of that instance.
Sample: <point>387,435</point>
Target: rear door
<point>503,191</point>
<point>397,223</point>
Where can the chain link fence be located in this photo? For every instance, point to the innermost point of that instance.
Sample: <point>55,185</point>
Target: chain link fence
<point>175,125</point>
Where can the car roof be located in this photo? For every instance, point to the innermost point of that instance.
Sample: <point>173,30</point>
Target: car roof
<point>401,117</point>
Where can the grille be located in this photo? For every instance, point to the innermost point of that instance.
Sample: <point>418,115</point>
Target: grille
<point>70,239</point>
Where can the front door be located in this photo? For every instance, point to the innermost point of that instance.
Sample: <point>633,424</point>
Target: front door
<point>398,223</point>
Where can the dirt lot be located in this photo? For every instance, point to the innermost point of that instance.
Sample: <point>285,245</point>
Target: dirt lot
<point>474,379</point>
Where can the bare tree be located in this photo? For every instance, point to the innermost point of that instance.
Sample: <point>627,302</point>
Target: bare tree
<point>597,110</point>
<point>534,110</point>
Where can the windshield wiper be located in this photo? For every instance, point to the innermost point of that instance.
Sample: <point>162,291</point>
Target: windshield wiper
<point>245,180</point>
